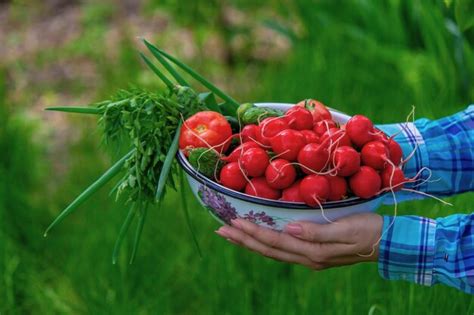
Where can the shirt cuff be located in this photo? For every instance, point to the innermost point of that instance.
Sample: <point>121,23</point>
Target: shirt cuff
<point>407,249</point>
<point>410,139</point>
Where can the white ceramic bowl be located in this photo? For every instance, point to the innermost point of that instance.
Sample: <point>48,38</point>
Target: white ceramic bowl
<point>225,204</point>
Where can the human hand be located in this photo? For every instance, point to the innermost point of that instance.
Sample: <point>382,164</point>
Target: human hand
<point>347,241</point>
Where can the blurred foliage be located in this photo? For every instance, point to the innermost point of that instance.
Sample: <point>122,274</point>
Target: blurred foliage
<point>373,57</point>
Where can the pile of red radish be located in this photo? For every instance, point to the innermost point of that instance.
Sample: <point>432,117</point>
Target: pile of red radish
<point>305,156</point>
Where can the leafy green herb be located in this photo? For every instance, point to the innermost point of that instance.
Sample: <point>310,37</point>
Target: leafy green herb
<point>149,123</point>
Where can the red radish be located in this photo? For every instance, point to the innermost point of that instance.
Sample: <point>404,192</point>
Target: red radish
<point>380,136</point>
<point>299,118</point>
<point>254,161</point>
<point>375,154</point>
<point>346,161</point>
<point>366,183</point>
<point>317,109</point>
<point>360,130</point>
<point>395,152</point>
<point>338,188</point>
<point>249,133</point>
<point>292,193</point>
<point>394,149</point>
<point>258,187</point>
<point>336,137</point>
<point>270,127</point>
<point>280,174</point>
<point>314,189</point>
<point>322,126</point>
<point>393,181</point>
<point>231,176</point>
<point>237,153</point>
<point>288,143</point>
<point>310,136</point>
<point>313,157</point>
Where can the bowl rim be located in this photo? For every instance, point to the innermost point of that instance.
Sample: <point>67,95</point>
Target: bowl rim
<point>183,162</point>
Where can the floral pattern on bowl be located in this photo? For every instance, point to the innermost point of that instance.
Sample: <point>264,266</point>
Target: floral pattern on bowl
<point>221,208</point>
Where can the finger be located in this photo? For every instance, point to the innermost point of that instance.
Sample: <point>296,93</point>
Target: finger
<point>337,232</point>
<point>239,237</point>
<point>274,239</point>
<point>315,251</point>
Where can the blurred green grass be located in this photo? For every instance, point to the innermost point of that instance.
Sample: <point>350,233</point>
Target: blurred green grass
<point>375,58</point>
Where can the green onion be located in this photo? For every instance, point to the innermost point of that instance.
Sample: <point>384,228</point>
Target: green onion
<point>153,68</point>
<point>123,232</point>
<point>195,75</point>
<point>167,164</point>
<point>99,183</point>
<point>184,204</point>
<point>138,232</point>
<point>76,109</point>
<point>163,61</point>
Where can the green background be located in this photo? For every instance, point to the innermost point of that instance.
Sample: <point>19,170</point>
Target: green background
<point>377,58</point>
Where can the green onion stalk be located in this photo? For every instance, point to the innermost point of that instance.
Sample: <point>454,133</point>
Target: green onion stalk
<point>149,123</point>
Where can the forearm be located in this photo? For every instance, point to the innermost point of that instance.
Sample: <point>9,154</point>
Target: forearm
<point>427,251</point>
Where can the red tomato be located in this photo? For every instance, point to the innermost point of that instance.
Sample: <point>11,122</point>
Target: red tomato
<point>205,129</point>
<point>270,127</point>
<point>299,118</point>
<point>319,111</point>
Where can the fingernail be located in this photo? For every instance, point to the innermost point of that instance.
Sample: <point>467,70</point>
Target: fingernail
<point>236,224</point>
<point>294,229</point>
<point>232,241</point>
<point>222,232</point>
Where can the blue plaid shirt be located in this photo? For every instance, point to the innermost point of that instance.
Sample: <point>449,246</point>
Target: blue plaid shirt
<point>429,251</point>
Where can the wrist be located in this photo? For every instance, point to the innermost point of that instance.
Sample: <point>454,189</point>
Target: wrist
<point>376,232</point>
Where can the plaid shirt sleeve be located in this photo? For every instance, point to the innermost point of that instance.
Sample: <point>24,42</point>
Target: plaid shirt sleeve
<point>423,250</point>
<point>427,251</point>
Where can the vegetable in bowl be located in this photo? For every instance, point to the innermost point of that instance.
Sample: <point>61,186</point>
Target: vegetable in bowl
<point>273,209</point>
<point>149,124</point>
